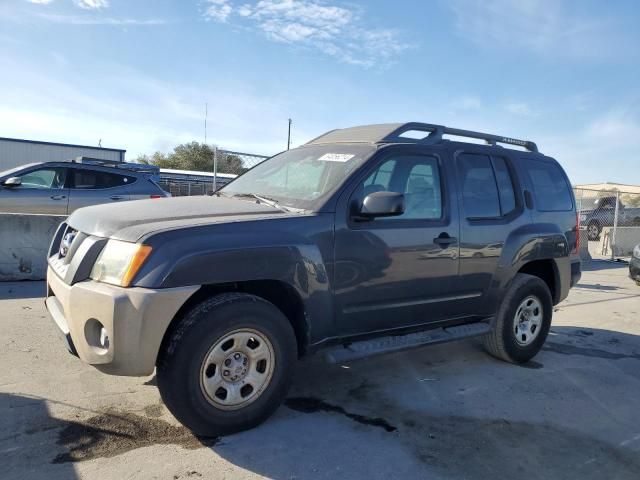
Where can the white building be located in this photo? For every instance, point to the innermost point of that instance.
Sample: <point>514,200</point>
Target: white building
<point>15,152</point>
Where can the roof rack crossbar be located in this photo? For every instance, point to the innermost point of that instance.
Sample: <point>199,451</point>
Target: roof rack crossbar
<point>436,133</point>
<point>134,167</point>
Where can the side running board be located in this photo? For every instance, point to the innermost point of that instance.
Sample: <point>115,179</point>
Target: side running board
<point>378,346</point>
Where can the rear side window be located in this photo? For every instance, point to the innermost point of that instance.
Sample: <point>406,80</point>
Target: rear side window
<point>549,186</point>
<point>92,179</point>
<point>487,189</point>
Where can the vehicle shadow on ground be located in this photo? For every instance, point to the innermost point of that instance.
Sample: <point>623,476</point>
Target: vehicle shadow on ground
<point>430,412</point>
<point>26,289</point>
<point>26,428</point>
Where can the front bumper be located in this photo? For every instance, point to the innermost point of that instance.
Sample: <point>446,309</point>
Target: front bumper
<point>634,268</point>
<point>135,320</point>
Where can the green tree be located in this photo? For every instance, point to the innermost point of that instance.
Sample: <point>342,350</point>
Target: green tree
<point>194,156</point>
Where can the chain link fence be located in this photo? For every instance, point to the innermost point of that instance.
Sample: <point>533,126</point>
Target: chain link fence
<point>609,223</point>
<point>229,165</point>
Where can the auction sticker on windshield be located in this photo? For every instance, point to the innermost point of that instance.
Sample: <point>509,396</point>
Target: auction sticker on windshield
<point>336,157</point>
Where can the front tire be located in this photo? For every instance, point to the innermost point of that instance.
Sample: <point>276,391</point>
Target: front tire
<point>522,322</point>
<point>227,365</point>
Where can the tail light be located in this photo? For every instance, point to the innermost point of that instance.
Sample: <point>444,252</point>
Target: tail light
<point>156,196</point>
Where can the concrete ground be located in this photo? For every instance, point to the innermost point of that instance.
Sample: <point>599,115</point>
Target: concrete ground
<point>448,411</point>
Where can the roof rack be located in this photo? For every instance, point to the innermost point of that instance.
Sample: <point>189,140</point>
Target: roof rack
<point>135,167</point>
<point>396,133</point>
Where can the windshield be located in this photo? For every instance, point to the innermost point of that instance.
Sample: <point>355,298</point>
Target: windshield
<point>303,177</point>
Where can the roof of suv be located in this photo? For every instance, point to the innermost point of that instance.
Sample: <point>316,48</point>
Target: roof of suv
<point>122,167</point>
<point>412,132</point>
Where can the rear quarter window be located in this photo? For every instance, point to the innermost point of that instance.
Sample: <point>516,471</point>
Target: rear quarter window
<point>550,187</point>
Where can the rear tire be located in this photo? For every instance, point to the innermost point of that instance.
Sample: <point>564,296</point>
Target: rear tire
<point>593,230</point>
<point>227,365</point>
<point>523,320</point>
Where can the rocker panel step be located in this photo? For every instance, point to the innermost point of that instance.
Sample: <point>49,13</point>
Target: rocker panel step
<point>395,343</point>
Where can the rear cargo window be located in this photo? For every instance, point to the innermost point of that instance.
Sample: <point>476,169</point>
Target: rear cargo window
<point>549,186</point>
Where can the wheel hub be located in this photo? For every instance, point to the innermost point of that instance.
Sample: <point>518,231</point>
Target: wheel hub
<point>236,367</point>
<point>528,320</point>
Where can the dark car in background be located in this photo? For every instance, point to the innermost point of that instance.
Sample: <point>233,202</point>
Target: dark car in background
<point>59,188</point>
<point>603,214</point>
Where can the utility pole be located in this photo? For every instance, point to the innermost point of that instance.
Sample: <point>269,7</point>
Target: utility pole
<point>215,168</point>
<point>206,107</point>
<point>289,136</point>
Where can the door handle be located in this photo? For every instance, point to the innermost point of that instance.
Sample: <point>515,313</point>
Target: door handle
<point>116,197</point>
<point>444,239</point>
<point>58,197</point>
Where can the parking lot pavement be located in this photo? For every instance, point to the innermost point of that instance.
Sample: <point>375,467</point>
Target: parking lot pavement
<point>448,411</point>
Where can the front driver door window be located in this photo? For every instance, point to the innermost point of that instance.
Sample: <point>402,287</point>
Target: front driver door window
<point>42,191</point>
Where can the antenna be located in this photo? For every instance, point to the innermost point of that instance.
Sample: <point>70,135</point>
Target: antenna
<point>206,108</point>
<point>289,136</point>
<point>100,143</point>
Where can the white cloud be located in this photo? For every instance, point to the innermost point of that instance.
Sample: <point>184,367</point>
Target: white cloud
<point>218,10</point>
<point>519,108</point>
<point>537,26</point>
<point>91,20</point>
<point>92,4</point>
<point>337,31</point>
<point>136,111</point>
<point>40,2</point>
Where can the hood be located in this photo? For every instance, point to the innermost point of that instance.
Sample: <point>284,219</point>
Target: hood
<point>130,221</point>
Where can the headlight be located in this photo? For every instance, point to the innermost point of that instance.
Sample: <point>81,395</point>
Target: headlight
<point>636,251</point>
<point>119,262</point>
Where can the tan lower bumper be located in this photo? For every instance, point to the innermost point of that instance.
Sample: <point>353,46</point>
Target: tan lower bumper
<point>134,319</point>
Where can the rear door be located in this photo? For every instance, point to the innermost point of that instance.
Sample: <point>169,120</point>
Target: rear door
<point>399,271</point>
<point>94,186</point>
<point>491,208</point>
<point>43,190</point>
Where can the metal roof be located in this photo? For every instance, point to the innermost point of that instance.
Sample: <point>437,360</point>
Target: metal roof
<point>19,140</point>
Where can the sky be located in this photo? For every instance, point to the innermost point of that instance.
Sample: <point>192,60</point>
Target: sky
<point>136,74</point>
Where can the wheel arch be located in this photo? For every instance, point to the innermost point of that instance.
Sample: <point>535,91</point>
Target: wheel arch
<point>547,271</point>
<point>277,292</point>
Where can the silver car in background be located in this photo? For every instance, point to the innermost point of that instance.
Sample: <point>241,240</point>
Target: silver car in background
<point>59,188</point>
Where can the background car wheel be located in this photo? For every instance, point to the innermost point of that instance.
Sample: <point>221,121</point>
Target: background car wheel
<point>593,231</point>
<point>227,365</point>
<point>523,320</point>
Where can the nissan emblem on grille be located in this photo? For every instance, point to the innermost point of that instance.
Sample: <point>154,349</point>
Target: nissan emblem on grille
<point>67,240</point>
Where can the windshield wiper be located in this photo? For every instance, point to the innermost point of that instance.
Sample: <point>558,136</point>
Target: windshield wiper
<point>266,200</point>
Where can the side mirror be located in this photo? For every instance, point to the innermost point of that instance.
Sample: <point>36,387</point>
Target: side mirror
<point>382,204</point>
<point>12,182</point>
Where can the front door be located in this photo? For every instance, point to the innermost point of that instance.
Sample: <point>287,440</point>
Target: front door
<point>398,271</point>
<point>42,190</point>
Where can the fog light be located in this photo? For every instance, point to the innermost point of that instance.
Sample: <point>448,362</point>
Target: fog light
<point>97,336</point>
<point>104,338</point>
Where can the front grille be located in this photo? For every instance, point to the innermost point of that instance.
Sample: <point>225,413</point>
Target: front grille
<point>63,247</point>
<point>73,253</point>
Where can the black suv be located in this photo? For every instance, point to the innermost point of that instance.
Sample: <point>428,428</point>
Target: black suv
<point>366,240</point>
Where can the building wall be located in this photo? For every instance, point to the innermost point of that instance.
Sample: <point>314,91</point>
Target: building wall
<point>15,153</point>
<point>621,187</point>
